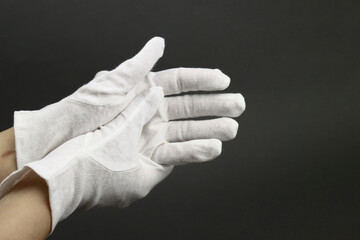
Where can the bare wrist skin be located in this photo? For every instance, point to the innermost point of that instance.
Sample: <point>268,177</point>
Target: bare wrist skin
<point>7,153</point>
<point>25,211</point>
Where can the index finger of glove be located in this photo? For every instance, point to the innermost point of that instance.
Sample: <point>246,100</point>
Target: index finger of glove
<point>179,80</point>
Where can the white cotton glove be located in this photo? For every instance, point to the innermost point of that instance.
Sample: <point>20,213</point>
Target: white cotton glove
<point>124,159</point>
<point>39,132</point>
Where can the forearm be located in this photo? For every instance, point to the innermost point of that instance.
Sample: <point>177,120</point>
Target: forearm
<point>24,211</point>
<point>7,153</point>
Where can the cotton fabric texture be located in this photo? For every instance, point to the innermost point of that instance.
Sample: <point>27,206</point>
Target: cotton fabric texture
<point>115,138</point>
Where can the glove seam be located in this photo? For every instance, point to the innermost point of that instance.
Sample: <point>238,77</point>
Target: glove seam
<point>71,99</point>
<point>106,168</point>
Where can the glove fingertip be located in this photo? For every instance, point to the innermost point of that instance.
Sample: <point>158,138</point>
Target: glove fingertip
<point>215,148</point>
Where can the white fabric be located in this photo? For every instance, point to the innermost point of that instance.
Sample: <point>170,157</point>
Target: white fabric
<point>123,160</point>
<point>39,132</point>
<point>131,152</point>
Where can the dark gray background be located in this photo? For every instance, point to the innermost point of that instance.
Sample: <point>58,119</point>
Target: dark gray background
<point>292,172</point>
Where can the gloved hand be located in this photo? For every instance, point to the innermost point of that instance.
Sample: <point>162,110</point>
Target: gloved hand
<point>39,132</point>
<point>123,160</point>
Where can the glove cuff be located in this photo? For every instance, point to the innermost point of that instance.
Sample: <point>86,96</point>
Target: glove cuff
<point>23,130</point>
<point>66,187</point>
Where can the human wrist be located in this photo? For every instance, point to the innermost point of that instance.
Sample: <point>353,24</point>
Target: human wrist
<point>27,201</point>
<point>7,164</point>
<point>7,153</point>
